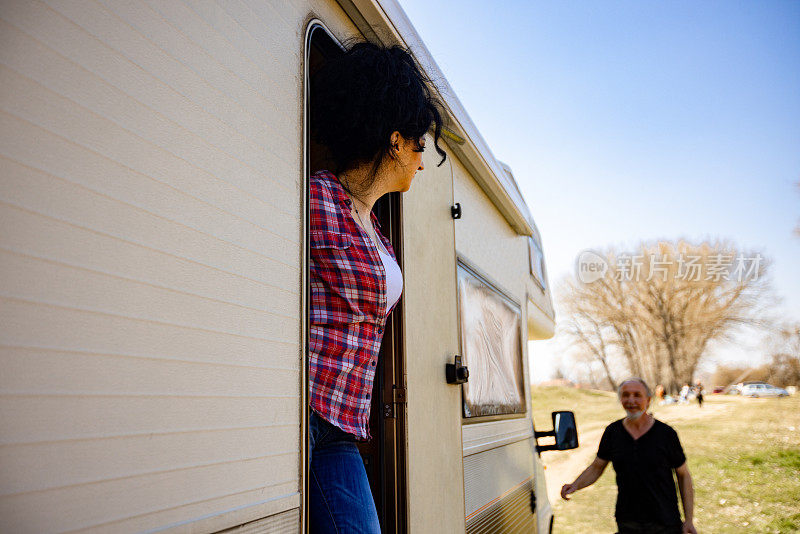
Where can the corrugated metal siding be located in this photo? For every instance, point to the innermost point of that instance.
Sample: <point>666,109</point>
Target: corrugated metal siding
<point>544,510</point>
<point>512,514</point>
<point>151,214</point>
<point>493,474</point>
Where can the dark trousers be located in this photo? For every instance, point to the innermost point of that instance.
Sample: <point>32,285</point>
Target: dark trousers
<point>639,527</point>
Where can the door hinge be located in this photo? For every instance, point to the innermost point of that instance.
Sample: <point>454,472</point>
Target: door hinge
<point>398,395</point>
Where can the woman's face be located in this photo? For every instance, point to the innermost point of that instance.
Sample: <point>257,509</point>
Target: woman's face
<point>407,161</point>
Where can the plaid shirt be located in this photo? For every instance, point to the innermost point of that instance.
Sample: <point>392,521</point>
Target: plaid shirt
<point>348,308</point>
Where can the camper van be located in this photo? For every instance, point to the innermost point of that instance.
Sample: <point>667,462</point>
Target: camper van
<point>154,273</point>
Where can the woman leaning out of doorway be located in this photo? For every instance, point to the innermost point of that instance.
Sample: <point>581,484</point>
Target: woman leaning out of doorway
<point>371,108</point>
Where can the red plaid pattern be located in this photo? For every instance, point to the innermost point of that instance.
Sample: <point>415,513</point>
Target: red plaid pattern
<point>348,303</point>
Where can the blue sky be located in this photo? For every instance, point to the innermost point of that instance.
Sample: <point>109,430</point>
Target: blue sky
<point>629,121</point>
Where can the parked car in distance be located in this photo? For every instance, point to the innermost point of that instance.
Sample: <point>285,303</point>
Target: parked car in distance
<point>737,388</point>
<point>718,389</point>
<point>763,390</point>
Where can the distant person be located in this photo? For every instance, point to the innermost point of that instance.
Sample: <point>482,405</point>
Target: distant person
<point>660,392</point>
<point>699,393</point>
<point>684,395</point>
<point>644,452</point>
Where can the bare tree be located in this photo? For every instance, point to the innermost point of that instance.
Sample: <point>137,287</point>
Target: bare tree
<point>558,374</point>
<point>784,365</point>
<point>657,310</point>
<point>729,375</point>
<point>584,329</point>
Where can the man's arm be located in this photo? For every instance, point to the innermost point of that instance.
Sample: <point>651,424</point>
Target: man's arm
<point>687,498</point>
<point>587,478</point>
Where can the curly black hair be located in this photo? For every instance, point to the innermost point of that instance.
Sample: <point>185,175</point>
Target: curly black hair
<point>365,94</point>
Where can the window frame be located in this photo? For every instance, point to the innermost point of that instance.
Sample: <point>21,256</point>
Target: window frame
<point>464,264</point>
<point>535,247</point>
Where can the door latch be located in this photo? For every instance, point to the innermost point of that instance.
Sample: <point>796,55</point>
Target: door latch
<point>455,372</point>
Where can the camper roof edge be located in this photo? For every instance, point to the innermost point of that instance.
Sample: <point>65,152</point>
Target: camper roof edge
<point>491,175</point>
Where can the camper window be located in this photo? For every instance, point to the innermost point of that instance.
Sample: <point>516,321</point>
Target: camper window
<point>537,261</point>
<point>491,348</point>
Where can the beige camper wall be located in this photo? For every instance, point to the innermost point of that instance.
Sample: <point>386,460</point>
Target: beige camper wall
<point>487,242</point>
<point>485,239</point>
<point>435,469</point>
<point>151,205</point>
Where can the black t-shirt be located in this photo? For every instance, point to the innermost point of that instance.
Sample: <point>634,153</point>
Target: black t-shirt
<point>644,472</point>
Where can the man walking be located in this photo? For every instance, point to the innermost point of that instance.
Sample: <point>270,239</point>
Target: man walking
<point>644,452</point>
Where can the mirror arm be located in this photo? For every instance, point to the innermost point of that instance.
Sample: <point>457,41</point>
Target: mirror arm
<point>538,434</point>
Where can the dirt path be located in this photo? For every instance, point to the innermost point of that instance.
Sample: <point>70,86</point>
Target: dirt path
<point>562,467</point>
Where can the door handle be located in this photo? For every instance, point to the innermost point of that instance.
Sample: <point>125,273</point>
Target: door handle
<point>455,372</point>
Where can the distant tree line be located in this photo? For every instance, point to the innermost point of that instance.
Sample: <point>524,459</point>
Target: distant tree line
<point>781,369</point>
<point>655,312</point>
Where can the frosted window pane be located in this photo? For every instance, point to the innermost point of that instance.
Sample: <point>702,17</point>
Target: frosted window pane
<point>490,342</point>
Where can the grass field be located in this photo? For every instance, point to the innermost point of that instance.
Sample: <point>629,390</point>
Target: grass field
<point>744,456</point>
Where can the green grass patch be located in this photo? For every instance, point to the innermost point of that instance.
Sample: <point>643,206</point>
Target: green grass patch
<point>744,456</point>
<point>789,459</point>
<point>785,524</point>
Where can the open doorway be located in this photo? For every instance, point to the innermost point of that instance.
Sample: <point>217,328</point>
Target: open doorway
<point>385,455</point>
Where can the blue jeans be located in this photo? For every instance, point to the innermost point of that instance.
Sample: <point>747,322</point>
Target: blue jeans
<point>340,501</point>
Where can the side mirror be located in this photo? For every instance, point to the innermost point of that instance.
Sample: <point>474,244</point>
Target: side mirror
<point>564,431</point>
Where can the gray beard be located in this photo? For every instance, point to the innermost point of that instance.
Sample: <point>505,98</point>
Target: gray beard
<point>633,416</point>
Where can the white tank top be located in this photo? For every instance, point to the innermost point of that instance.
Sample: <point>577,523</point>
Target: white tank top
<point>394,279</point>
